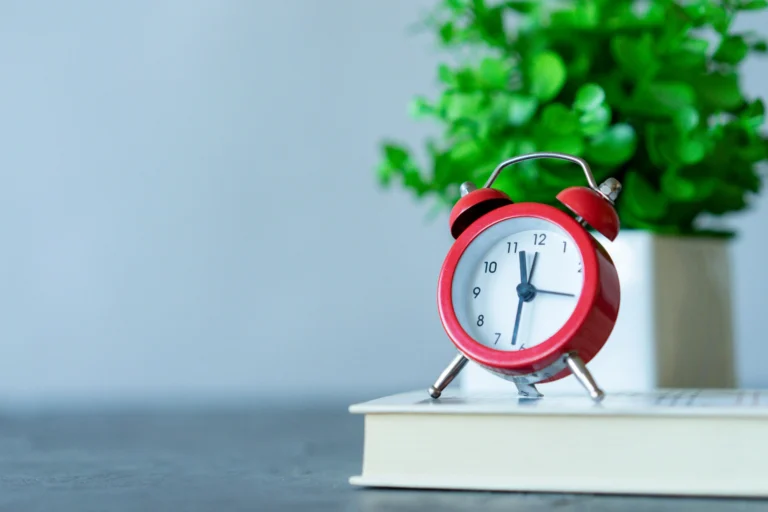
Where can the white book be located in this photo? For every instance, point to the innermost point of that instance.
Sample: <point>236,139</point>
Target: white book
<point>666,442</point>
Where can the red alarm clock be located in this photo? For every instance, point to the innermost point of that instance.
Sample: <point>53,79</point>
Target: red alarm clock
<point>526,291</point>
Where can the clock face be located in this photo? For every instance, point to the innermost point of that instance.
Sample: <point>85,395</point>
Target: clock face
<point>517,283</point>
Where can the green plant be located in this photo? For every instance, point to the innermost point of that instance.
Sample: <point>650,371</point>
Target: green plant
<point>648,92</point>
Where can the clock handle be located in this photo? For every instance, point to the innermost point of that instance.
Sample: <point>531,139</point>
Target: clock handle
<point>609,189</point>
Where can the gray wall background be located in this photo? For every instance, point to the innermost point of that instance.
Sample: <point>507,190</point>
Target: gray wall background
<point>188,206</point>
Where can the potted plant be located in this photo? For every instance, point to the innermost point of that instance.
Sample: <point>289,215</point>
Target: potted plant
<point>647,92</point>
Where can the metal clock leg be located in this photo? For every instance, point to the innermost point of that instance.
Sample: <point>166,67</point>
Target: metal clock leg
<point>450,373</point>
<point>579,370</point>
<point>526,390</point>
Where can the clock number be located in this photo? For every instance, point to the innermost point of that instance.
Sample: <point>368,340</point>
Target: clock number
<point>490,267</point>
<point>480,320</point>
<point>498,335</point>
<point>538,239</point>
<point>476,291</point>
<point>563,245</point>
<point>509,246</point>
<point>579,271</point>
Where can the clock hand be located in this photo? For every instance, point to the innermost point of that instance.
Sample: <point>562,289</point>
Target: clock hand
<point>517,320</point>
<point>533,266</point>
<point>523,268</point>
<point>555,293</point>
<point>523,283</point>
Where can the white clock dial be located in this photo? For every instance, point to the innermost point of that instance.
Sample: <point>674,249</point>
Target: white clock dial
<point>517,283</point>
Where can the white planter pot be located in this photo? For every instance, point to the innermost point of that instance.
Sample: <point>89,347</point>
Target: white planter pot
<point>674,327</point>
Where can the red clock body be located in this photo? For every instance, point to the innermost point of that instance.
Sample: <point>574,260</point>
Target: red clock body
<point>594,314</point>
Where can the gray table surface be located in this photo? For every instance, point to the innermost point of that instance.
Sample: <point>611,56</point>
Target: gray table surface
<point>253,458</point>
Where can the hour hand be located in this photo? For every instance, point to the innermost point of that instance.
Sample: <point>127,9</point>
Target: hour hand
<point>523,268</point>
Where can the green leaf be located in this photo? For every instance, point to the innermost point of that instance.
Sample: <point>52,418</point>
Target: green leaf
<point>753,115</point>
<point>553,174</point>
<point>466,80</point>
<point>443,167</point>
<point>420,107</point>
<point>564,18</point>
<point>463,105</point>
<point>661,99</point>
<point>720,19</point>
<point>396,156</point>
<point>495,73</point>
<point>695,46</point>
<point>744,175</point>
<point>485,125</point>
<point>689,53</point>
<point>719,91</point>
<point>584,15</point>
<point>706,13</point>
<point>732,50</point>
<point>456,6</point>
<point>595,121</point>
<point>589,97</point>
<point>672,94</point>
<point>446,33</point>
<point>413,180</point>
<point>683,189</point>
<point>614,146</point>
<point>546,75</point>
<point>753,5</point>
<point>522,6</point>
<point>686,118</point>
<point>559,120</point>
<point>623,17</point>
<point>641,198</point>
<point>466,150</point>
<point>521,109</point>
<point>507,150</point>
<point>725,197</point>
<point>636,56</point>
<point>384,174</point>
<point>661,144</point>
<point>690,151</point>
<point>526,146</point>
<point>445,74</point>
<point>755,150</point>
<point>487,23</point>
<point>668,97</point>
<point>571,144</point>
<point>397,161</point>
<point>629,219</point>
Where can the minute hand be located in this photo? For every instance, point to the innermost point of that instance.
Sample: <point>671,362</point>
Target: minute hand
<point>517,320</point>
<point>533,266</point>
<point>523,281</point>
